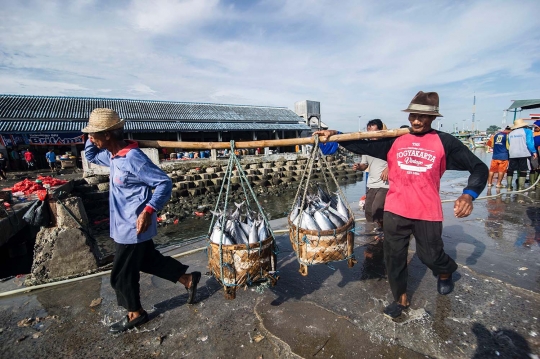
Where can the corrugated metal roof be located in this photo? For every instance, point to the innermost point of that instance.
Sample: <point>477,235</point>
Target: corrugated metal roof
<point>22,126</point>
<point>525,104</point>
<point>79,108</point>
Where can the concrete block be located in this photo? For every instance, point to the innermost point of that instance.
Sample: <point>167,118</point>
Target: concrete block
<point>72,206</point>
<point>62,252</point>
<point>103,186</point>
<point>194,192</point>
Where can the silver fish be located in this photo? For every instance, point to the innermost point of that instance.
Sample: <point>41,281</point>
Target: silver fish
<point>217,234</point>
<point>341,208</point>
<point>262,231</point>
<point>336,220</point>
<point>322,221</point>
<point>254,233</point>
<point>237,233</point>
<point>294,213</point>
<point>335,212</point>
<point>307,222</point>
<point>245,227</point>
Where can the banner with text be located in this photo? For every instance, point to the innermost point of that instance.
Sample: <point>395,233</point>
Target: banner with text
<point>55,139</point>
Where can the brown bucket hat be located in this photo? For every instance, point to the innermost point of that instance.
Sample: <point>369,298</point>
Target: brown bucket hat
<point>519,123</point>
<point>103,119</point>
<point>425,103</point>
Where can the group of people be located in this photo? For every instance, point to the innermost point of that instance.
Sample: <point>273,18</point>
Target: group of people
<point>515,148</point>
<point>415,163</point>
<point>29,160</point>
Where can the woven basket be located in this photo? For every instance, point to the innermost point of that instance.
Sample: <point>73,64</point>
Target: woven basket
<point>317,247</point>
<point>242,265</point>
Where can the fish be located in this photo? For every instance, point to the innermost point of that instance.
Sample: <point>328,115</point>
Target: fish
<point>238,233</point>
<point>262,231</point>
<point>322,194</point>
<point>236,214</point>
<point>294,213</point>
<point>322,221</point>
<point>245,227</point>
<point>336,219</point>
<point>254,233</point>
<point>341,208</point>
<point>217,234</point>
<point>307,222</point>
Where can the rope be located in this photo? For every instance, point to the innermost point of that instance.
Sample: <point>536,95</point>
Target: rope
<point>247,189</point>
<point>499,194</point>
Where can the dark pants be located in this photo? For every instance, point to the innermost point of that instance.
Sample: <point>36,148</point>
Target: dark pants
<point>129,260</point>
<point>429,248</point>
<point>375,198</point>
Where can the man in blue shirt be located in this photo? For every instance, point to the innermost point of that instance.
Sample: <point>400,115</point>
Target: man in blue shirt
<point>51,159</point>
<point>499,160</point>
<point>133,215</point>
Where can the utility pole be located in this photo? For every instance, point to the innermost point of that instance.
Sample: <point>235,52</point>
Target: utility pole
<point>359,124</point>
<point>473,111</point>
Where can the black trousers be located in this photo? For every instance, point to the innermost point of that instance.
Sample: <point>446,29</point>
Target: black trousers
<point>429,248</point>
<point>130,260</point>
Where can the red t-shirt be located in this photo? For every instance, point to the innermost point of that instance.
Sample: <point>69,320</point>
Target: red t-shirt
<point>28,156</point>
<point>415,167</point>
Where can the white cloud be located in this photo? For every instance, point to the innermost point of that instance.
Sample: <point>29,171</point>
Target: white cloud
<point>161,16</point>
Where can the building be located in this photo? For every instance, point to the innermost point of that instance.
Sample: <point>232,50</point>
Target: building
<point>40,122</point>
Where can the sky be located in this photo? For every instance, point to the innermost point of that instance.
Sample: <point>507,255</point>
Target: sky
<point>357,58</point>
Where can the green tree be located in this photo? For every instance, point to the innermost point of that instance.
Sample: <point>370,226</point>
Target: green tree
<point>492,129</point>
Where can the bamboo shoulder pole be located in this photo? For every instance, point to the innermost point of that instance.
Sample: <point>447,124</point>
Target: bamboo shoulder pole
<point>272,143</point>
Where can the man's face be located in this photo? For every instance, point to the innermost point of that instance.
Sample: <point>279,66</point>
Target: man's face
<point>99,139</point>
<point>372,128</point>
<point>536,128</point>
<point>420,123</point>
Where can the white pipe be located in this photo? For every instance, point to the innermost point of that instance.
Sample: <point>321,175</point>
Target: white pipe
<point>52,284</point>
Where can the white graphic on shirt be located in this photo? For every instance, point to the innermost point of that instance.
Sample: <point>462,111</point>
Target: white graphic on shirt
<point>415,159</point>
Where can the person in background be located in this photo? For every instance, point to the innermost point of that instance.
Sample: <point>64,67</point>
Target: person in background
<point>520,149</point>
<point>416,163</point>
<point>29,158</point>
<point>51,159</point>
<point>138,189</point>
<point>535,171</point>
<point>3,166</point>
<point>377,183</point>
<point>499,159</point>
<point>15,158</point>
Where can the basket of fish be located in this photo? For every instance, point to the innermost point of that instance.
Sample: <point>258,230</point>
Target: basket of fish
<point>321,230</point>
<point>241,250</point>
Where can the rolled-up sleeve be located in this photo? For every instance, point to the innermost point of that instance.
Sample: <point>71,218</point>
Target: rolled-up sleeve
<point>95,155</point>
<point>154,177</point>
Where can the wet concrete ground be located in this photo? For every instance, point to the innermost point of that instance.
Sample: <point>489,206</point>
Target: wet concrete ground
<point>493,312</point>
<point>331,313</point>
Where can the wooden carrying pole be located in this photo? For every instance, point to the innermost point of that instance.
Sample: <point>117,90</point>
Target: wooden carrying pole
<point>272,143</point>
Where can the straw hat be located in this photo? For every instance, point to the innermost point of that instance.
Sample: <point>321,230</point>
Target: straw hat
<point>519,123</point>
<point>425,103</point>
<point>103,119</point>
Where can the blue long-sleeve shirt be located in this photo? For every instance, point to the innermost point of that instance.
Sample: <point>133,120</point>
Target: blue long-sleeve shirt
<point>132,178</point>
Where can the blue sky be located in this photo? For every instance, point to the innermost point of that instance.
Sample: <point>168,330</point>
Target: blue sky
<point>358,58</point>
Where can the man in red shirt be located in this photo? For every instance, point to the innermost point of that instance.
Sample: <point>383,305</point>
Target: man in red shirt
<point>416,163</point>
<point>29,157</point>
